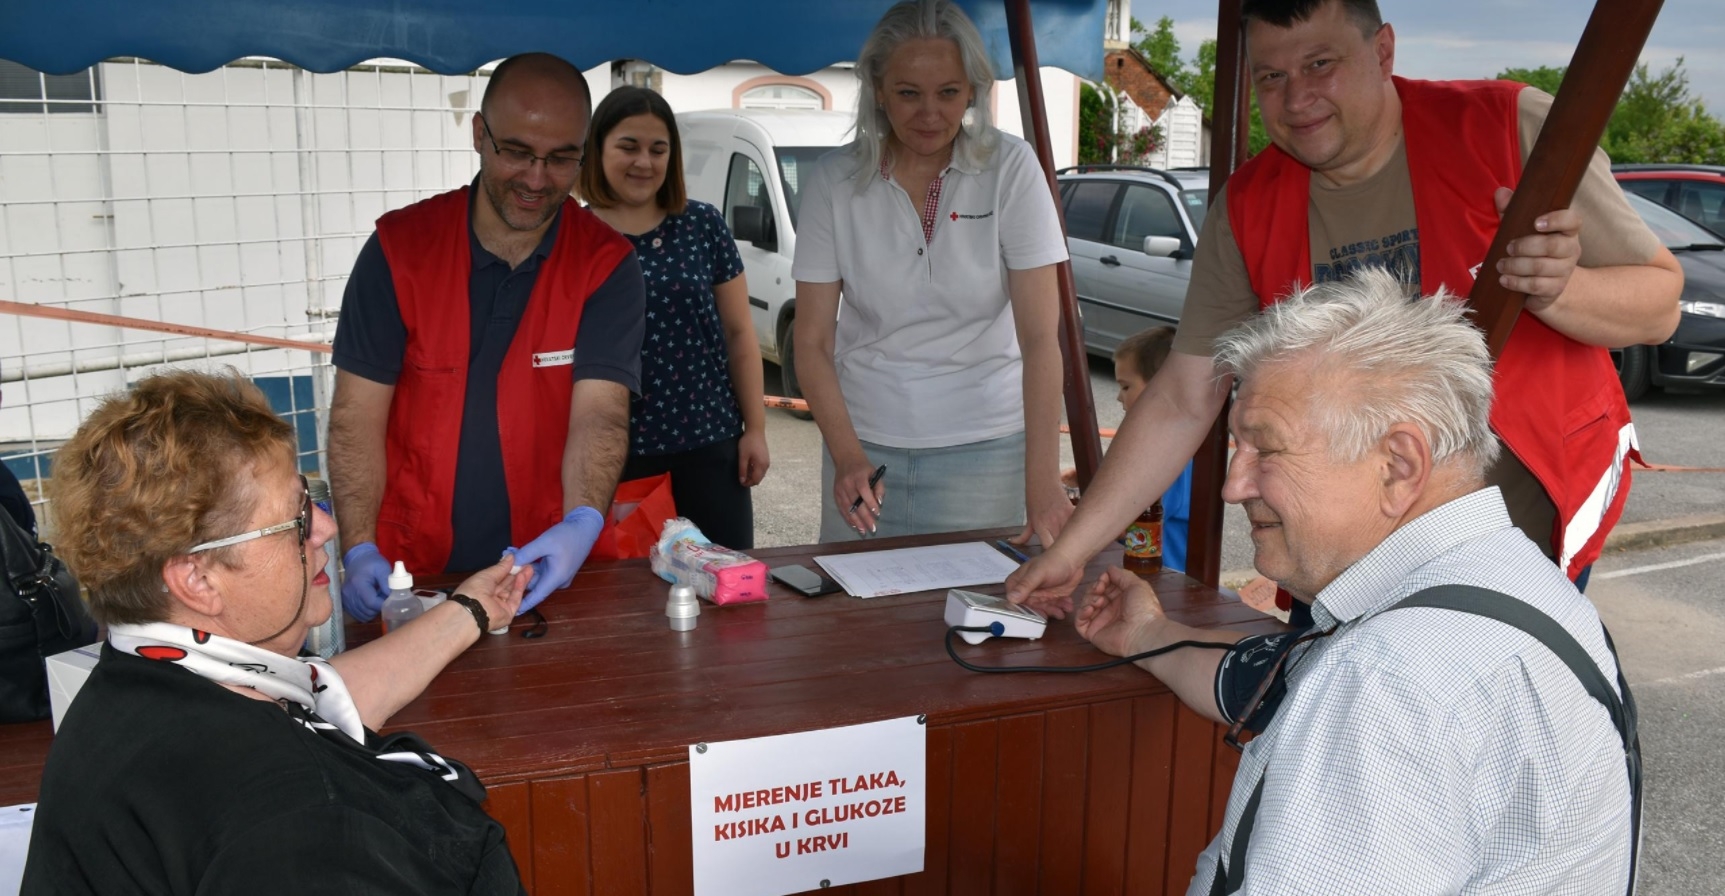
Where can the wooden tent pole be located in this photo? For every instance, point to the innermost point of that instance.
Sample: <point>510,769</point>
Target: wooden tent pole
<point>1228,144</point>
<point>1075,363</point>
<point>1602,64</point>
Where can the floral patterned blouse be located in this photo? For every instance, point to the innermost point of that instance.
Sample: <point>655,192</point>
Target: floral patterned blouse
<point>687,400</point>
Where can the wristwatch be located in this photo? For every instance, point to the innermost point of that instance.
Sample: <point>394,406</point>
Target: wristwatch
<point>479,614</point>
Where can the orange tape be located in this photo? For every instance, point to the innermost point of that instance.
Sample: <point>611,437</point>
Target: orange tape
<point>138,323</point>
<point>1667,468</point>
<point>1104,433</point>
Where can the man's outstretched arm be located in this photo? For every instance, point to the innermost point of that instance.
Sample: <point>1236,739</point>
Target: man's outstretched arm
<point>1160,434</point>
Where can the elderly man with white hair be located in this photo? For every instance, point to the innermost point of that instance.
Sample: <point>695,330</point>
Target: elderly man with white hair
<point>1454,722</point>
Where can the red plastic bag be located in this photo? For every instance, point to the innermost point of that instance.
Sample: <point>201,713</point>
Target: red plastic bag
<point>638,511</point>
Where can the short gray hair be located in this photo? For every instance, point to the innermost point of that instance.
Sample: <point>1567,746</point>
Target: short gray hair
<point>914,20</point>
<point>1399,360</point>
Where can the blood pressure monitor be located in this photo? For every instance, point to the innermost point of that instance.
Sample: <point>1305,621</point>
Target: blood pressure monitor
<point>970,609</point>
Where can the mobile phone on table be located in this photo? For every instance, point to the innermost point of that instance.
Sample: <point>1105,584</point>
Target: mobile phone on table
<point>803,580</point>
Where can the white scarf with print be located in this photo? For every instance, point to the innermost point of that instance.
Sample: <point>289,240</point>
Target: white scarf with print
<point>310,688</point>
<point>311,682</point>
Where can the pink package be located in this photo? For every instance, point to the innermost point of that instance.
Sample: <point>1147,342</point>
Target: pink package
<point>718,574</point>
<point>736,583</point>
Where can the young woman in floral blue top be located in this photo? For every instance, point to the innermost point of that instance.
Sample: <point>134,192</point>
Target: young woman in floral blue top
<point>699,415</point>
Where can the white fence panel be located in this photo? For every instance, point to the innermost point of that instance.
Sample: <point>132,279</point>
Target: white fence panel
<point>234,200</point>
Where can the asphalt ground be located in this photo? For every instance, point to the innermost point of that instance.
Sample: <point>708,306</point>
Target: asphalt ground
<point>1660,589</point>
<point>1663,608</point>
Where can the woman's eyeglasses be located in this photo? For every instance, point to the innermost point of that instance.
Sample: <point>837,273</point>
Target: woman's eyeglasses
<point>302,522</point>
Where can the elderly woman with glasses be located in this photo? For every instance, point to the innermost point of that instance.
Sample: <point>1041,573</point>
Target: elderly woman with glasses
<point>204,755</point>
<point>940,381</point>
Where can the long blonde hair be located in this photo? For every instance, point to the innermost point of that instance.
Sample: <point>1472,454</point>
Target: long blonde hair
<point>916,20</point>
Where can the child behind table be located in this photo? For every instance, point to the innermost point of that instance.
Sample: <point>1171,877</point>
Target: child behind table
<point>1135,362</point>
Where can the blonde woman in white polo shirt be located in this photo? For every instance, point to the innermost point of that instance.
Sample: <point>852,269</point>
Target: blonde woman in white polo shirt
<point>940,234</point>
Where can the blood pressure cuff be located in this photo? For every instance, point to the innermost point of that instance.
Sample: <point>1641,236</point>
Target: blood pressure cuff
<point>1242,674</point>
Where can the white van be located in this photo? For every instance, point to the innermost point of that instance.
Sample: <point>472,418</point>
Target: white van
<point>727,155</point>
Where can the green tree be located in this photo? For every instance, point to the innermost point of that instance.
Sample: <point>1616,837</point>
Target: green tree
<point>1095,125</point>
<point>1162,49</point>
<point>1545,77</point>
<point>1656,119</point>
<point>1688,135</point>
<point>1203,92</point>
<point>1099,140</point>
<point>1196,79</point>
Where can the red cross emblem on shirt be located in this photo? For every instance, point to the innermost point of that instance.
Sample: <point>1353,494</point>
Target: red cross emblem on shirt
<point>954,216</point>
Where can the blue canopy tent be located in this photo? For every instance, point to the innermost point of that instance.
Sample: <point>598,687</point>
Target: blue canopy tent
<point>453,36</point>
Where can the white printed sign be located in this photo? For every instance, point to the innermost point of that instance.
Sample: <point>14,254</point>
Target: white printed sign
<point>777,815</point>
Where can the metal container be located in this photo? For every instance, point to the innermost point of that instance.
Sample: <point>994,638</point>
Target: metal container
<point>683,608</point>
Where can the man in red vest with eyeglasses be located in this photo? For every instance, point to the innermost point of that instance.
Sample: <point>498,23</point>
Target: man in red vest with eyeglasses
<point>1368,169</point>
<point>490,338</point>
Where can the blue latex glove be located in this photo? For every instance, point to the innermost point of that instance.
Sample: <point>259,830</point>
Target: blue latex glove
<point>366,583</point>
<point>558,554</point>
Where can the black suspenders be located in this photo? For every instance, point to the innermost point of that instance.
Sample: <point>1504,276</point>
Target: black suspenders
<point>1510,611</point>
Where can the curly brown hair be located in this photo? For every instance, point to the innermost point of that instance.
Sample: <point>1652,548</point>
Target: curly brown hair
<point>154,471</point>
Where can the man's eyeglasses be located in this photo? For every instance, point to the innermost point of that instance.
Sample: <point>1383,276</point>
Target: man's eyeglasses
<point>302,522</point>
<point>555,163</point>
<point>1275,679</point>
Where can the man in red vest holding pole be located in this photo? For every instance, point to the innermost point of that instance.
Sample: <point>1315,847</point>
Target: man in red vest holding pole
<point>490,338</point>
<point>1368,169</point>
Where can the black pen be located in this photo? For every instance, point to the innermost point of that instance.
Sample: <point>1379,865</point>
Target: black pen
<point>1006,548</point>
<point>872,482</point>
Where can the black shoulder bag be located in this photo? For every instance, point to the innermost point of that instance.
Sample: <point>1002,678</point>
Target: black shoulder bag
<point>1512,612</point>
<point>41,614</point>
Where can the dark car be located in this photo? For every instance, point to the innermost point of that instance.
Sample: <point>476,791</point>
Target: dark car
<point>1696,192</point>
<point>1694,357</point>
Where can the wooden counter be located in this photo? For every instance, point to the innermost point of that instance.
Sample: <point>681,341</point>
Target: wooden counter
<point>582,735</point>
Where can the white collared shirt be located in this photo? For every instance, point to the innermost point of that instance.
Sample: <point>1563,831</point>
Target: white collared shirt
<point>1430,751</point>
<point>925,348</point>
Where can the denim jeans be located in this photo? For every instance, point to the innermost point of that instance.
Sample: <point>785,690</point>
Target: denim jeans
<point>979,485</point>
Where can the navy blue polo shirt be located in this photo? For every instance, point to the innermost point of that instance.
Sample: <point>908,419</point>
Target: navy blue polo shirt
<point>371,340</point>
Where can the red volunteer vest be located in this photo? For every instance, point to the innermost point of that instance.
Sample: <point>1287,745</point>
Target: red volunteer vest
<point>430,260</point>
<point>1559,406</point>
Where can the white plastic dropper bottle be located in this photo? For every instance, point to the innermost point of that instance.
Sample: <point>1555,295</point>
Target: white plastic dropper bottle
<point>402,606</point>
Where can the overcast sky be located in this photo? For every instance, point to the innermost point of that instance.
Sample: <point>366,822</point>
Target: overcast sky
<point>1479,38</point>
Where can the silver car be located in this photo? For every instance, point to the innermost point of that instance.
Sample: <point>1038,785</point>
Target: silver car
<point>1131,232</point>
